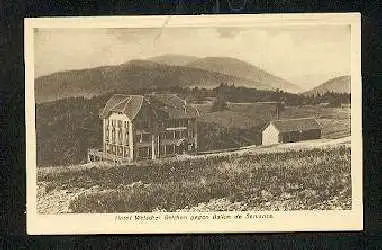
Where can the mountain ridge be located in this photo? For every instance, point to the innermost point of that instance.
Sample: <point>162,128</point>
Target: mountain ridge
<point>132,75</point>
<point>234,67</point>
<point>173,59</point>
<point>338,84</point>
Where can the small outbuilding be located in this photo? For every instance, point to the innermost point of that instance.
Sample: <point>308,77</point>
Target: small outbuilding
<point>291,130</point>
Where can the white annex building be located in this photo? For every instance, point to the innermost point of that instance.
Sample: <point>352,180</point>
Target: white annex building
<point>292,130</point>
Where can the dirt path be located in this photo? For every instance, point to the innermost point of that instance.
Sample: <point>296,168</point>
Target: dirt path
<point>320,143</point>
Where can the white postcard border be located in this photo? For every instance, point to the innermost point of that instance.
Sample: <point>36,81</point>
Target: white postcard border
<point>279,222</point>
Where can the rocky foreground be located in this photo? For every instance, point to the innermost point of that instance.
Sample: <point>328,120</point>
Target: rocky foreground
<point>310,178</point>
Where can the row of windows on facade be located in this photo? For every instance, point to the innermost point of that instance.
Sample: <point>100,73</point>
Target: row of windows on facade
<point>145,124</point>
<point>175,134</point>
<point>117,123</point>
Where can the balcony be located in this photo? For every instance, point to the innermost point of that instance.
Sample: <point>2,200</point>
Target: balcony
<point>97,154</point>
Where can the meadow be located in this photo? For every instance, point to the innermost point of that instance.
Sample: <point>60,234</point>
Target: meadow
<point>335,121</point>
<point>241,123</point>
<point>296,180</point>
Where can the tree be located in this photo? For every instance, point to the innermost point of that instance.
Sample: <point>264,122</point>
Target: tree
<point>220,102</point>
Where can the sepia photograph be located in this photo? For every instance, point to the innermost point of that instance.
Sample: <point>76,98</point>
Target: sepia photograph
<point>194,121</point>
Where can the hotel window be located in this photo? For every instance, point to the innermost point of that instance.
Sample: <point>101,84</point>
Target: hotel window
<point>120,151</point>
<point>106,134</point>
<point>119,124</point>
<point>113,136</point>
<point>190,133</point>
<point>164,135</point>
<point>162,150</point>
<point>172,123</point>
<point>127,137</point>
<point>120,136</point>
<point>138,138</point>
<point>126,151</point>
<point>178,134</point>
<point>182,123</point>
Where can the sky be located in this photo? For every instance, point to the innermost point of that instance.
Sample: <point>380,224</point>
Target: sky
<point>304,55</point>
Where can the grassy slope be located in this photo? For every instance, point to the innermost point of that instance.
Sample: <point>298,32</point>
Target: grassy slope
<point>304,179</point>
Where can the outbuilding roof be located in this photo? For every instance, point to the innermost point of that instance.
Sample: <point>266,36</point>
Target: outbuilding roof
<point>299,124</point>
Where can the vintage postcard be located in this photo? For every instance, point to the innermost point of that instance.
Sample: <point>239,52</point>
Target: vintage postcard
<point>193,124</point>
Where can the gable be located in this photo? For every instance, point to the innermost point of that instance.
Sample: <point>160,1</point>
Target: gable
<point>271,129</point>
<point>118,116</point>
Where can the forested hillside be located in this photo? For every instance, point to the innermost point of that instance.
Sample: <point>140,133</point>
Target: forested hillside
<point>66,128</point>
<point>340,84</point>
<point>131,76</point>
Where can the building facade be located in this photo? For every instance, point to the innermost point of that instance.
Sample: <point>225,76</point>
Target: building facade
<point>137,127</point>
<point>292,130</point>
